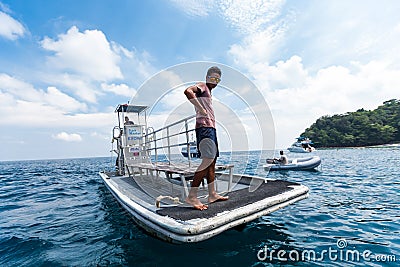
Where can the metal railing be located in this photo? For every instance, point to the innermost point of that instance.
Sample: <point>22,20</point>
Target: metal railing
<point>153,138</point>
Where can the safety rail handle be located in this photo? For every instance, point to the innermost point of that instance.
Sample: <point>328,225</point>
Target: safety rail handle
<point>173,135</point>
<point>151,137</point>
<point>175,145</point>
<point>175,123</point>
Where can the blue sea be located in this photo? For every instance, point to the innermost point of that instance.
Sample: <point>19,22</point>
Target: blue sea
<point>59,213</point>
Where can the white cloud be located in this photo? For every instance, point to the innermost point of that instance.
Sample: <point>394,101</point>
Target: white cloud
<point>284,74</point>
<point>196,8</point>
<point>23,105</point>
<point>18,88</point>
<point>88,64</point>
<point>165,89</point>
<point>119,89</point>
<point>10,28</point>
<point>15,112</point>
<point>22,91</point>
<point>257,47</point>
<point>258,21</point>
<point>64,102</point>
<point>249,17</point>
<point>174,96</point>
<point>135,64</point>
<point>79,85</point>
<point>246,16</point>
<point>335,33</point>
<point>67,137</point>
<point>86,53</point>
<point>122,50</point>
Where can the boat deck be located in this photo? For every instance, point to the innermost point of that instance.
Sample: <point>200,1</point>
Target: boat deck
<point>174,173</point>
<point>237,199</point>
<point>148,187</point>
<point>145,189</point>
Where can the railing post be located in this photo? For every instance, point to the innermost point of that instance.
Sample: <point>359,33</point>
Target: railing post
<point>155,146</point>
<point>187,143</point>
<point>169,147</point>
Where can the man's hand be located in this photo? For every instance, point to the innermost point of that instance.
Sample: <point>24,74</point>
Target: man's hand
<point>203,112</point>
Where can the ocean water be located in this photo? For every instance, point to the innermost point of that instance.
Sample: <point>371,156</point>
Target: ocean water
<point>59,213</point>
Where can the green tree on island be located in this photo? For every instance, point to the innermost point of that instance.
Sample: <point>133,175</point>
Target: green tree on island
<point>360,128</point>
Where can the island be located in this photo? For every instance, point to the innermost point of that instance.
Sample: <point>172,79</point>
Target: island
<point>357,129</point>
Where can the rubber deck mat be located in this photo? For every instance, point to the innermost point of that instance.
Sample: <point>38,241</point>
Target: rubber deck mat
<point>236,200</point>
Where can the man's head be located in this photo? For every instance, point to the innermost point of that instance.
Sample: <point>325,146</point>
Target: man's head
<point>281,152</point>
<point>126,118</point>
<point>213,77</point>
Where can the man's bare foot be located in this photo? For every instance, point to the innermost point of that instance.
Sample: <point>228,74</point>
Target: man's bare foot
<point>196,203</point>
<point>215,197</point>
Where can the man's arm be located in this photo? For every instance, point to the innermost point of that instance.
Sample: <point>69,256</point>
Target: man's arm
<point>190,93</point>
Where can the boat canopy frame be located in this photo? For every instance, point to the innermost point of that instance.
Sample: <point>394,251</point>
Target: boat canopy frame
<point>127,108</point>
<point>150,139</point>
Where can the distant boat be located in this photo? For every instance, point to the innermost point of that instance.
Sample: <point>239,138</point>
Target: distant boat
<point>298,164</point>
<point>302,145</point>
<point>386,146</point>
<point>192,149</point>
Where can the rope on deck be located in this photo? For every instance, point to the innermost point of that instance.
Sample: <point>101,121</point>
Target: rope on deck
<point>174,199</point>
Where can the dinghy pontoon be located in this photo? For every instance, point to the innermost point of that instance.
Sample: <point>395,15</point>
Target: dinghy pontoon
<point>297,164</point>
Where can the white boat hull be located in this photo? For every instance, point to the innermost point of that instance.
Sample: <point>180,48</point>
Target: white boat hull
<point>200,228</point>
<point>298,164</point>
<point>302,145</point>
<point>298,150</point>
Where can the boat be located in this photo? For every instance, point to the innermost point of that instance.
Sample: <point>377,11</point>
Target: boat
<point>153,188</point>
<point>192,148</point>
<point>302,145</point>
<point>297,164</point>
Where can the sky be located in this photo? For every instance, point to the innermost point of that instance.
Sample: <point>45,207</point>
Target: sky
<point>65,65</point>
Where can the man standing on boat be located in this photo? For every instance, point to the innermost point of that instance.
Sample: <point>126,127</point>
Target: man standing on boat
<point>200,96</point>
